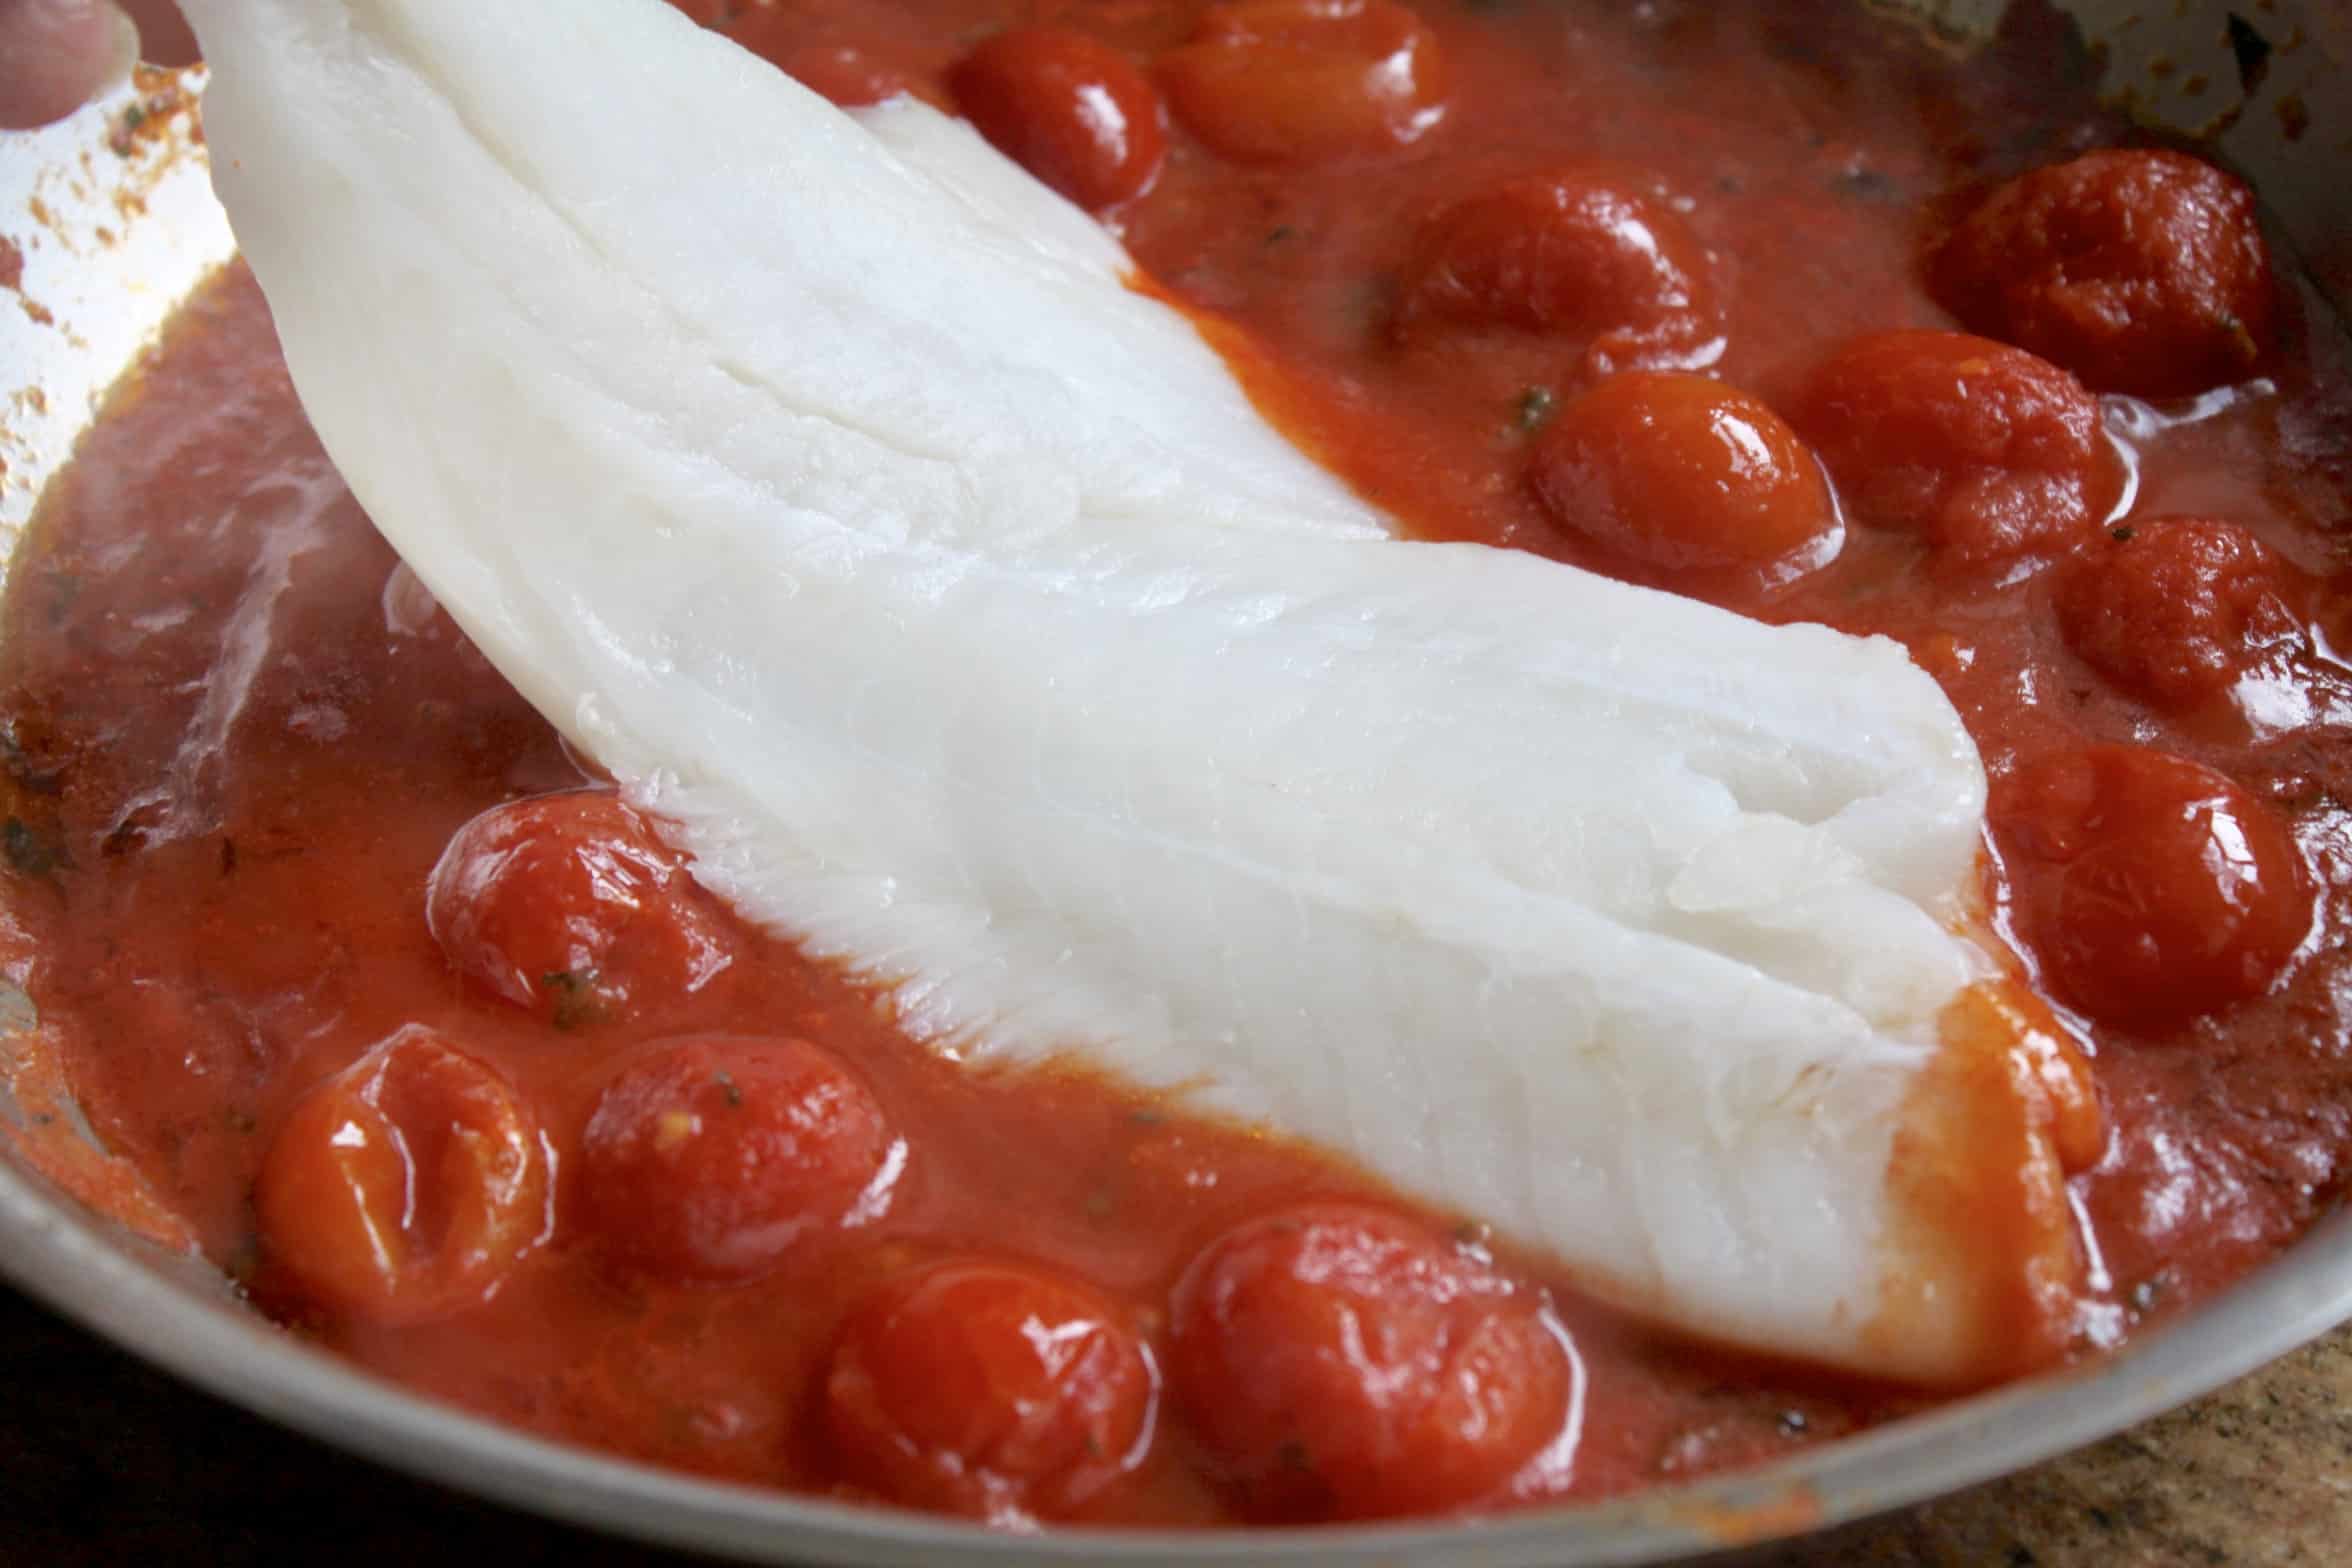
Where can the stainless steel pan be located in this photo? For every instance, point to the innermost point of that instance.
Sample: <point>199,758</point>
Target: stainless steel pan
<point>107,222</point>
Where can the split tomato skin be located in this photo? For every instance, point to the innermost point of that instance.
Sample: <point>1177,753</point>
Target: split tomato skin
<point>1342,1361</point>
<point>406,1187</point>
<point>570,907</point>
<point>715,1159</point>
<point>2141,270</point>
<point>991,1388</point>
<point>2153,890</point>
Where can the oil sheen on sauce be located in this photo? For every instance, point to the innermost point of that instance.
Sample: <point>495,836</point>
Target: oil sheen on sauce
<point>239,736</point>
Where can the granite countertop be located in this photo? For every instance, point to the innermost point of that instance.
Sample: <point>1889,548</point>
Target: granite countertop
<point>105,1462</point>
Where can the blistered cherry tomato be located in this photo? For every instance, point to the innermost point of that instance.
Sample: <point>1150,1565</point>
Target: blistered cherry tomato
<point>991,1389</point>
<point>1341,1361</point>
<point>1984,451</point>
<point>1293,83</point>
<point>713,1157</point>
<point>2175,609</point>
<point>1682,474</point>
<point>568,905</point>
<point>2152,889</point>
<point>1068,108</point>
<point>2140,271</point>
<point>406,1186</point>
<point>1579,256</point>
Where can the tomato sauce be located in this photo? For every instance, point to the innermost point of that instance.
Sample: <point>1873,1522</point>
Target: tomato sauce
<point>439,1054</point>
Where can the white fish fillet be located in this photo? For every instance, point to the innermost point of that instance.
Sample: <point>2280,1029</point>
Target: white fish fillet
<point>817,475</point>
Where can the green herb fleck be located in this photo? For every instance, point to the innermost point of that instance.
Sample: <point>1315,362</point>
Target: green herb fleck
<point>1868,185</point>
<point>1281,233</point>
<point>1099,1204</point>
<point>1535,406</point>
<point>2121,534</point>
<point>19,766</point>
<point>63,588</point>
<point>1146,1117</point>
<point>31,851</point>
<point>575,997</point>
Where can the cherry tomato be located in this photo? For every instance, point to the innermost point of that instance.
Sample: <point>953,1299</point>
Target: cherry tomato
<point>713,1157</point>
<point>1580,256</point>
<point>407,1186</point>
<point>1984,451</point>
<point>569,906</point>
<point>1344,1362</point>
<point>1068,108</point>
<point>2175,609</point>
<point>992,1389</point>
<point>2152,889</point>
<point>1292,83</point>
<point>1682,474</point>
<point>2141,271</point>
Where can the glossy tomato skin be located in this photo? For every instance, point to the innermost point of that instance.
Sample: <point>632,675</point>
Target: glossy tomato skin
<point>1070,109</point>
<point>1343,1362</point>
<point>999,1390</point>
<point>1291,84</point>
<point>1984,451</point>
<point>407,1186</point>
<point>713,1158</point>
<point>2152,889</point>
<point>568,905</point>
<point>1583,256</point>
<point>2175,609</point>
<point>1683,476</point>
<point>2139,270</point>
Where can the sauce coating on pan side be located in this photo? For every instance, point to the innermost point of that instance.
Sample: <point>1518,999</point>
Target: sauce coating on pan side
<point>504,1106</point>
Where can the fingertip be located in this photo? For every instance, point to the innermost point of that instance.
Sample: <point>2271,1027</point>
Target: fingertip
<point>57,54</point>
<point>164,35</point>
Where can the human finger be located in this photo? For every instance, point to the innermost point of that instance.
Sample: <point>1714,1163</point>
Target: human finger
<point>55,53</point>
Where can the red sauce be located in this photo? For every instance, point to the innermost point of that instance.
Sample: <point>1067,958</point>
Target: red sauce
<point>505,1107</point>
